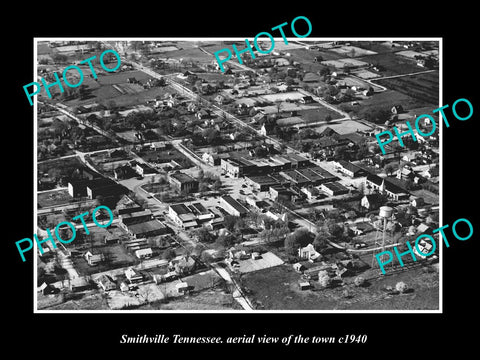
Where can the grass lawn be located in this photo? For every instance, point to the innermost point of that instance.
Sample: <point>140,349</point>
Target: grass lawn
<point>393,64</point>
<point>428,196</point>
<point>424,87</point>
<point>387,99</point>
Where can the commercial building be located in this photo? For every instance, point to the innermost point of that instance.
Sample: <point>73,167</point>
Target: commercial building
<point>348,168</point>
<point>334,188</point>
<point>95,187</point>
<point>146,229</point>
<point>183,182</point>
<point>189,216</point>
<point>232,206</point>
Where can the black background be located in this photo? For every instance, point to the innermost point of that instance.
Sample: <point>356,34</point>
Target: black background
<point>91,334</point>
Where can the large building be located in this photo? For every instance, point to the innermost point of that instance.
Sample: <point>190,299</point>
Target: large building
<point>189,216</point>
<point>348,168</point>
<point>334,188</point>
<point>232,206</point>
<point>95,187</point>
<point>384,186</point>
<point>135,217</point>
<point>183,182</point>
<point>146,229</point>
<point>237,167</point>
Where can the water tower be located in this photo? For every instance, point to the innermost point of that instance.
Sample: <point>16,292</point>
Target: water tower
<point>380,236</point>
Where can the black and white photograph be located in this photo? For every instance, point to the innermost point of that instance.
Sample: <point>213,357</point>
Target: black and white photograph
<point>255,183</point>
<point>217,179</point>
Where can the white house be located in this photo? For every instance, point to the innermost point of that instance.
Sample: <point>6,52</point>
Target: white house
<point>309,253</point>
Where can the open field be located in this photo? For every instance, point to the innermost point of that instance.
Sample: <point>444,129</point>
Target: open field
<point>392,64</point>
<point>284,293</point>
<point>341,63</point>
<point>189,54</point>
<point>215,299</point>
<point>352,51</point>
<point>121,77</point>
<point>387,99</point>
<point>365,74</point>
<point>424,87</point>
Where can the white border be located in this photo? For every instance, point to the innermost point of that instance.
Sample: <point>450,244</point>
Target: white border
<point>306,39</point>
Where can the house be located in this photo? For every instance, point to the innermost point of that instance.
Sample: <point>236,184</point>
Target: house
<point>47,289</point>
<point>202,114</point>
<point>309,253</point>
<point>192,107</point>
<point>256,256</point>
<point>133,276</point>
<point>304,285</point>
<point>416,201</point>
<point>237,254</point>
<point>182,287</point>
<point>221,99</point>
<point>183,265</point>
<point>144,253</point>
<point>306,100</point>
<point>372,201</point>
<point>183,182</point>
<point>214,159</point>
<point>405,173</point>
<point>267,128</point>
<point>123,172</point>
<point>143,169</point>
<point>397,109</point>
<point>94,258</point>
<point>106,283</point>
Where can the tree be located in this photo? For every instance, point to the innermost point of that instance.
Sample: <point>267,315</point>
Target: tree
<point>226,240</point>
<point>169,254</point>
<point>321,240</point>
<point>377,115</point>
<point>295,240</point>
<point>204,235</point>
<point>217,184</point>
<point>334,230</point>
<point>389,169</point>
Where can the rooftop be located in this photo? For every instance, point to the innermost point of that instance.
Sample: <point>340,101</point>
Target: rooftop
<point>181,177</point>
<point>234,203</point>
<point>146,226</point>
